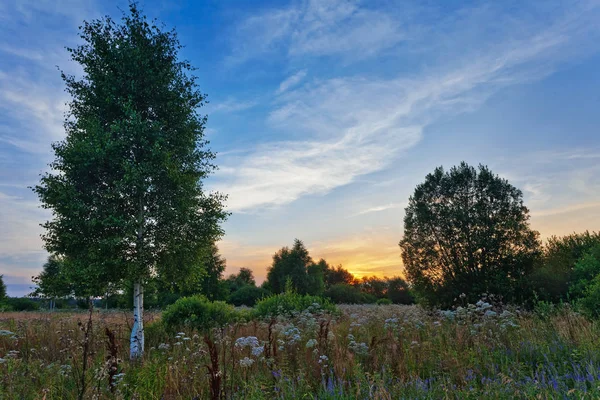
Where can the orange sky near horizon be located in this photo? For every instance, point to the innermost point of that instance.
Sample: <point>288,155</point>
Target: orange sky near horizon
<point>377,252</point>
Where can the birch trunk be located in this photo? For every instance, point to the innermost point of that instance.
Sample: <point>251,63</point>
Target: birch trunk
<point>136,349</point>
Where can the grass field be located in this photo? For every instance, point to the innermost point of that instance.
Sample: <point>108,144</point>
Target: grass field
<point>365,352</point>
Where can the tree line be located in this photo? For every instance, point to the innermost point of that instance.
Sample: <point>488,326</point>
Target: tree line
<point>292,269</point>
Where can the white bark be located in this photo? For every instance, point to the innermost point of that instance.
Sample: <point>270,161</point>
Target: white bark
<point>136,349</point>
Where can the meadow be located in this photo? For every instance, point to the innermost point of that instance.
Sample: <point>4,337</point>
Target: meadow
<point>478,351</point>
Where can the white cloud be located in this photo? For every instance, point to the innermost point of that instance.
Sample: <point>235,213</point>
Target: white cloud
<point>36,108</point>
<point>20,231</point>
<point>355,126</point>
<point>291,81</point>
<point>379,208</point>
<point>317,27</point>
<point>230,105</point>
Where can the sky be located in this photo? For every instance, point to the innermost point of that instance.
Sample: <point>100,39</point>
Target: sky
<point>325,115</point>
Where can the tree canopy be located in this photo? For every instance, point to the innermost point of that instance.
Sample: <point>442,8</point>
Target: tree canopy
<point>2,288</point>
<point>467,231</point>
<point>290,264</point>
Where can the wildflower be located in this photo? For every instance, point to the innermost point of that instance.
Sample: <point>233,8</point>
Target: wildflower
<point>311,343</point>
<point>391,324</point>
<point>246,362</point>
<point>163,346</point>
<point>250,341</point>
<point>118,378</point>
<point>65,370</point>
<point>257,351</point>
<point>293,335</point>
<point>323,359</point>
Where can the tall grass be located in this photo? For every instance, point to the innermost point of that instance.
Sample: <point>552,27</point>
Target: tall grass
<point>363,352</point>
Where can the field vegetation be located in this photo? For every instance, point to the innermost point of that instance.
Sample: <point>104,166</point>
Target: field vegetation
<point>476,351</point>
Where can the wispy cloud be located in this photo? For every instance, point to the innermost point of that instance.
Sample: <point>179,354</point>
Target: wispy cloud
<point>317,27</point>
<point>230,105</point>
<point>358,125</point>
<point>291,81</point>
<point>379,208</point>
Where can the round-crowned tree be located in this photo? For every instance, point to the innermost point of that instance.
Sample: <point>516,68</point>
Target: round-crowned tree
<point>466,231</point>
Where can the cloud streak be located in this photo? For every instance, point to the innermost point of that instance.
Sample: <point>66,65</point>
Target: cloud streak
<point>317,28</point>
<point>291,81</point>
<point>359,125</point>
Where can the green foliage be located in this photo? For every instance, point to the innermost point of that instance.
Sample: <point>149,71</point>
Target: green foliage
<point>586,270</point>
<point>590,302</point>
<point>198,313</point>
<point>374,286</point>
<point>334,275</point>
<point>247,296</point>
<point>2,289</point>
<point>289,303</point>
<point>290,264</point>
<point>553,274</point>
<point>398,291</point>
<point>467,231</point>
<point>125,187</point>
<point>156,333</point>
<point>21,304</point>
<point>53,282</point>
<point>383,302</point>
<point>315,275</point>
<point>214,266</point>
<point>342,293</point>
<point>245,277</point>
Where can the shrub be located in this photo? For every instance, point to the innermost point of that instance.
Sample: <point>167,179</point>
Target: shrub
<point>289,303</point>
<point>21,304</point>
<point>399,292</point>
<point>586,269</point>
<point>198,313</point>
<point>247,296</point>
<point>156,334</point>
<point>342,293</point>
<point>384,302</point>
<point>590,302</point>
<point>553,273</point>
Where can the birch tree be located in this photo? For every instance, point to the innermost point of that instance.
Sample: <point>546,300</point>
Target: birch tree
<point>125,187</point>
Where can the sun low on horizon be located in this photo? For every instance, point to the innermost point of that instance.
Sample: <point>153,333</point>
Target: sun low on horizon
<point>326,114</point>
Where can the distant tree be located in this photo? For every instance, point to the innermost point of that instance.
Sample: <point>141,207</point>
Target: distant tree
<point>342,293</point>
<point>467,231</point>
<point>290,264</point>
<point>125,187</point>
<point>53,283</point>
<point>585,271</point>
<point>247,295</point>
<point>245,277</point>
<point>398,291</point>
<point>315,274</point>
<point>2,289</point>
<point>374,286</point>
<point>214,266</point>
<point>333,276</point>
<point>553,274</point>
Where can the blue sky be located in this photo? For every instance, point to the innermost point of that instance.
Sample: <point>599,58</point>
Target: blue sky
<point>327,113</point>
